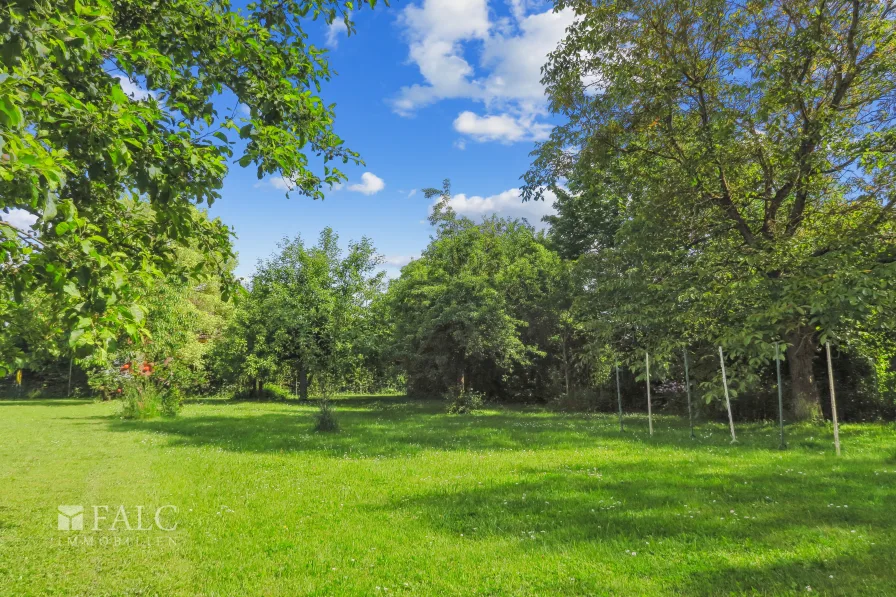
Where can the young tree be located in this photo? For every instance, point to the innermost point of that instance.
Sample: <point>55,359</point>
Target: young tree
<point>748,149</point>
<point>104,100</point>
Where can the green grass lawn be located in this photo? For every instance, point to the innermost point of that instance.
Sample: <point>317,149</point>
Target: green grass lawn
<point>407,500</point>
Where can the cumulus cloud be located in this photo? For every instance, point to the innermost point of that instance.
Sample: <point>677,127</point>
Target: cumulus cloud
<point>370,184</point>
<point>334,29</point>
<point>281,183</point>
<point>19,218</point>
<point>514,59</point>
<point>506,79</point>
<point>503,128</point>
<point>507,204</point>
<point>436,31</point>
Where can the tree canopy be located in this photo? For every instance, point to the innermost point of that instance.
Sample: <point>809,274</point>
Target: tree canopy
<point>76,146</point>
<point>737,162</point>
<point>308,309</point>
<point>476,310</point>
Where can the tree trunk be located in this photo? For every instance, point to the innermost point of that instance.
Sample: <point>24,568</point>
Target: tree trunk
<point>303,383</point>
<point>801,348</point>
<point>566,366</point>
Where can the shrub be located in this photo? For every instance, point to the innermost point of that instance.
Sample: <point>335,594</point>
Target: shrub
<point>464,402</point>
<point>170,402</point>
<point>325,419</point>
<point>141,399</point>
<point>268,392</point>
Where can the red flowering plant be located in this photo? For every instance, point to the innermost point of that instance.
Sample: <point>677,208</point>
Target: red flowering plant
<point>153,389</point>
<point>146,388</point>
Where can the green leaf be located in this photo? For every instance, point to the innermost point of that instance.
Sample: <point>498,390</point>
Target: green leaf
<point>75,336</point>
<point>136,312</point>
<point>49,207</point>
<point>72,290</point>
<point>10,114</point>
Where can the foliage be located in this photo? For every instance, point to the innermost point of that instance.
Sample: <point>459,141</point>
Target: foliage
<point>84,156</point>
<point>730,174</point>
<point>108,382</point>
<point>464,402</point>
<point>308,308</point>
<point>140,399</point>
<point>478,308</point>
<point>325,418</point>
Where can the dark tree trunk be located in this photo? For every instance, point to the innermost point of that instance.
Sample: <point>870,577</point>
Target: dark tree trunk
<point>303,383</point>
<point>801,348</point>
<point>566,366</point>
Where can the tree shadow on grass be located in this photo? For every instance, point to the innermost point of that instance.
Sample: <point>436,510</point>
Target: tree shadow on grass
<point>368,432</point>
<point>687,522</point>
<point>397,426</point>
<point>43,402</point>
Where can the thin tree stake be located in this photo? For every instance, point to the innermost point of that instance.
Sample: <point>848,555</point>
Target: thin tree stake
<point>619,399</point>
<point>783,444</point>
<point>649,407</point>
<point>727,399</point>
<point>833,400</point>
<point>687,382</point>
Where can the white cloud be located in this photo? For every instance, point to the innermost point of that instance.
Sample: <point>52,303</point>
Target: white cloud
<point>435,31</point>
<point>133,90</point>
<point>503,127</point>
<point>507,204</point>
<point>411,193</point>
<point>515,61</point>
<point>370,184</point>
<point>19,218</point>
<point>333,30</point>
<point>281,183</point>
<point>506,79</point>
<point>489,128</point>
<point>398,260</point>
<point>460,144</point>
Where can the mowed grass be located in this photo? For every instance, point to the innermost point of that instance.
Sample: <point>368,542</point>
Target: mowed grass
<point>407,500</point>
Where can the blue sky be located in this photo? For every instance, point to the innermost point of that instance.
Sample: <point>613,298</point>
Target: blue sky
<point>426,90</point>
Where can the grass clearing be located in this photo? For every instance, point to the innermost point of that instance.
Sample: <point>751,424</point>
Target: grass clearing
<point>409,500</point>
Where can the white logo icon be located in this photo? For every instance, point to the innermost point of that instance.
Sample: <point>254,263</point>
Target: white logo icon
<point>71,518</point>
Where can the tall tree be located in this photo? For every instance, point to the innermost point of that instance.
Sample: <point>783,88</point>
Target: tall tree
<point>104,100</point>
<point>749,149</point>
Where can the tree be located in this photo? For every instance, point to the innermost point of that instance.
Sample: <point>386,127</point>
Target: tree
<point>308,308</point>
<point>76,141</point>
<point>749,151</point>
<point>474,312</point>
